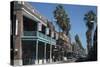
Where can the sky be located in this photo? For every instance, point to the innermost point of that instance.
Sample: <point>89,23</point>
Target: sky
<point>75,13</point>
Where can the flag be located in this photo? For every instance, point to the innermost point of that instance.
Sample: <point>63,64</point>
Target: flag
<point>56,36</point>
<point>47,31</point>
<point>39,26</point>
<point>52,34</point>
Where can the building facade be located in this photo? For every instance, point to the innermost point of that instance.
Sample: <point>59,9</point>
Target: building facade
<point>31,37</point>
<point>34,39</point>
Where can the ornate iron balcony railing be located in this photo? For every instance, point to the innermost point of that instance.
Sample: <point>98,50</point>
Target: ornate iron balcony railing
<point>38,35</point>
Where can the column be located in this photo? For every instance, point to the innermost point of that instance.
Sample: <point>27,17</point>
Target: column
<point>45,53</point>
<point>50,53</point>
<point>36,62</point>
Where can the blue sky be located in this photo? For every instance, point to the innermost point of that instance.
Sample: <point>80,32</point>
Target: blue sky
<point>76,15</point>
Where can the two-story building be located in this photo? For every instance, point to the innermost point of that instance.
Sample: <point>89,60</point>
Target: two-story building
<point>32,35</point>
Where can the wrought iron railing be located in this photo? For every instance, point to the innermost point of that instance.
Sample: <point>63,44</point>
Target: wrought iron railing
<point>38,34</point>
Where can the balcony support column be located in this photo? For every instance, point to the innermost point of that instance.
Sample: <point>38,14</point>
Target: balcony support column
<point>36,52</point>
<point>45,53</point>
<point>50,53</point>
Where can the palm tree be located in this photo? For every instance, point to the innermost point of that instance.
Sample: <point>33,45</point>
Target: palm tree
<point>90,19</point>
<point>62,19</point>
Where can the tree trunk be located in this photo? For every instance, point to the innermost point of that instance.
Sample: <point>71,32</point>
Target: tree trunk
<point>89,39</point>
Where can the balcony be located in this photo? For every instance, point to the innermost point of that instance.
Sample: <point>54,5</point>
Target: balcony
<point>39,35</point>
